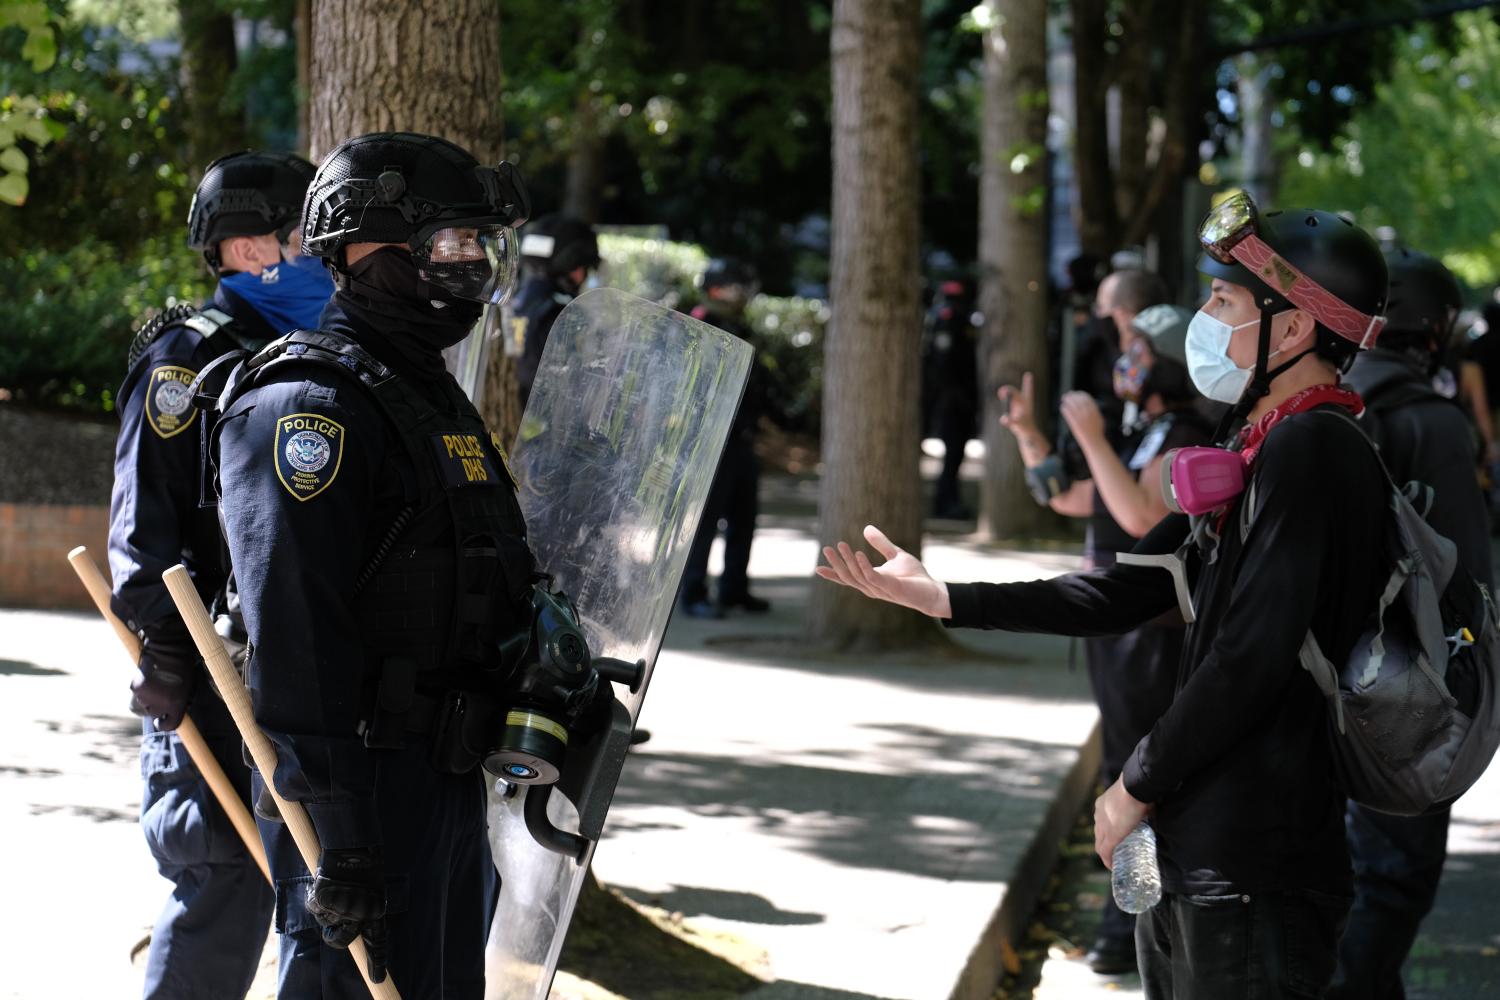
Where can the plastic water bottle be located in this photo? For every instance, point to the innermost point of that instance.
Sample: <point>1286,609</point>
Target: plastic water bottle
<point>1136,878</point>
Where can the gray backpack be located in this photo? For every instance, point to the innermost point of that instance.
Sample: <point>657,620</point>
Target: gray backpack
<point>1414,712</point>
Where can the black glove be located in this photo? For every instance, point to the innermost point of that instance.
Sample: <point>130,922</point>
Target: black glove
<point>165,678</point>
<point>347,897</point>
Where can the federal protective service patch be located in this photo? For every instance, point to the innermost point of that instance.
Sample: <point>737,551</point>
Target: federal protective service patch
<point>169,400</point>
<point>309,449</point>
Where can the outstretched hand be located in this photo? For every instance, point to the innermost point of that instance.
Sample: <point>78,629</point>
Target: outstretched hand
<point>901,579</point>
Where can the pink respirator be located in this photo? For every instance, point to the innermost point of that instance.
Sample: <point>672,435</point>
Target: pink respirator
<point>1196,481</point>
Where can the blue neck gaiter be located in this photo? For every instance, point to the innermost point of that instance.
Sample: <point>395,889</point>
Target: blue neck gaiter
<point>290,295</point>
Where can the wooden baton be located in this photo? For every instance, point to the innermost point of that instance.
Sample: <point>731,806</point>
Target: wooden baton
<point>192,740</point>
<point>237,698</point>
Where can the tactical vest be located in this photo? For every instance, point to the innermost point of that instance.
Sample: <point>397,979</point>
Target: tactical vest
<point>442,590</point>
<point>215,326</point>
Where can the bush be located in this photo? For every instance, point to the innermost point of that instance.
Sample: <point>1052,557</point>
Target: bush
<point>788,331</point>
<point>67,317</point>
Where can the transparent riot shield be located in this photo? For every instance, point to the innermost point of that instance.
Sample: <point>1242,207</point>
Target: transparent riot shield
<point>467,358</point>
<point>618,447</point>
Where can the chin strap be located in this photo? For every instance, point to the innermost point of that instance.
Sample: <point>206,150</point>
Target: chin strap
<point>1261,379</point>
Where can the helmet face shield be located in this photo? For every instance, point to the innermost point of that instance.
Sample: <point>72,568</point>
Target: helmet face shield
<point>479,263</point>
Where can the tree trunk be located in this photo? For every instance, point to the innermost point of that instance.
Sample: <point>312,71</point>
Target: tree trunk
<point>585,166</point>
<point>430,66</point>
<point>1133,80</point>
<point>1012,248</point>
<point>216,122</point>
<point>1095,217</point>
<point>1257,101</point>
<point>872,347</point>
<point>302,33</point>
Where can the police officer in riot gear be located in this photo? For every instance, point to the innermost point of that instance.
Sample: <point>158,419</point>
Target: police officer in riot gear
<point>557,254</point>
<point>728,286</point>
<point>1424,437</point>
<point>207,940</point>
<point>381,560</point>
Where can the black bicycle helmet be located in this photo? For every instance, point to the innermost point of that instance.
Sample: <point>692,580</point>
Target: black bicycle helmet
<point>1425,300</point>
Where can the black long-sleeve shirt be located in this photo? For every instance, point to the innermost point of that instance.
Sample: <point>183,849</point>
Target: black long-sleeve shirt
<point>1239,768</point>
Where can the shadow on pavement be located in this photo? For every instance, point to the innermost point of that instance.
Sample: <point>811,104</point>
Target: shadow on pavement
<point>696,901</point>
<point>1457,952</point>
<point>928,819</point>
<point>25,668</point>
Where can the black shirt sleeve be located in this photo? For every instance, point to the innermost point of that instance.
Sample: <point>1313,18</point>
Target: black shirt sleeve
<point>296,515</point>
<point>1109,601</point>
<point>154,500</point>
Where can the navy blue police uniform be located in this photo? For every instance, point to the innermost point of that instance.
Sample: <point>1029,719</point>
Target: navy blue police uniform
<point>734,498</point>
<point>380,557</point>
<point>535,308</point>
<point>208,937</point>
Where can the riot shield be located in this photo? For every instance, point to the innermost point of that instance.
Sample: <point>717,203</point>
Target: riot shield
<point>617,450</point>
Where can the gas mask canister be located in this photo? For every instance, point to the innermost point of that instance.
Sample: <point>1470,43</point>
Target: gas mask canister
<point>1197,481</point>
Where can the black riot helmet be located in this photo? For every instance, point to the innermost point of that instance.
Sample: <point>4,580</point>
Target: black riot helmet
<point>247,194</point>
<point>455,216</point>
<point>730,282</point>
<point>558,245</point>
<point>1425,300</point>
<point>724,271</point>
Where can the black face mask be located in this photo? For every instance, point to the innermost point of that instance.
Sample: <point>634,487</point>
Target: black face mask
<point>388,279</point>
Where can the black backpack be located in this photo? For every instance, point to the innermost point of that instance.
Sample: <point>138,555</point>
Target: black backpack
<point>1414,712</point>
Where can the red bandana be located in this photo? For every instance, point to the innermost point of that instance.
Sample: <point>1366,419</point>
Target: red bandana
<point>1253,436</point>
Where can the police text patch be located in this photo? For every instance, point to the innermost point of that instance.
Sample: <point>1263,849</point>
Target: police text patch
<point>169,400</point>
<point>309,449</point>
<point>464,460</point>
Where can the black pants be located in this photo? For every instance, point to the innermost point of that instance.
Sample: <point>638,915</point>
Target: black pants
<point>1397,863</point>
<point>1262,947</point>
<point>955,425</point>
<point>441,889</point>
<point>734,499</point>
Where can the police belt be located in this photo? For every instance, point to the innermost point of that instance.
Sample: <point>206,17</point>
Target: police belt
<point>460,725</point>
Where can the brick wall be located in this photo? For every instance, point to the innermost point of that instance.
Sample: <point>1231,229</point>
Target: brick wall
<point>35,540</point>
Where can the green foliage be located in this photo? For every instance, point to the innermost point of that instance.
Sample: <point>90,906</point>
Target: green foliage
<point>69,316</point>
<point>1318,82</point>
<point>788,331</point>
<point>22,116</point>
<point>114,168</point>
<point>1423,156</point>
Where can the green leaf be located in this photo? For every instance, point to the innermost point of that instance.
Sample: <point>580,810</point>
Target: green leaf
<point>41,49</point>
<point>13,189</point>
<point>13,160</point>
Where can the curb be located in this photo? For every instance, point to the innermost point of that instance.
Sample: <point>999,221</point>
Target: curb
<point>1003,934</point>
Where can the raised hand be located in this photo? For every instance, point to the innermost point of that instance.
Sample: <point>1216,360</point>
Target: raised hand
<point>1020,405</point>
<point>901,579</point>
<point>1082,415</point>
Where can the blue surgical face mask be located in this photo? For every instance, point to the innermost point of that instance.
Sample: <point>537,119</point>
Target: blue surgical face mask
<point>1213,372</point>
<point>290,295</point>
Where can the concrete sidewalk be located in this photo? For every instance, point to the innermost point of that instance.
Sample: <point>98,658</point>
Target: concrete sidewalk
<point>864,824</point>
<point>874,828</point>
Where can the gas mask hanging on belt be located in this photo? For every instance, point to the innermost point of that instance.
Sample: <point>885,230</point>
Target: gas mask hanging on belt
<point>558,691</point>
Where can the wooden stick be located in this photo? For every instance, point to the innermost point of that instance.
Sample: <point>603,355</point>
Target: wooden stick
<point>237,698</point>
<point>192,740</point>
